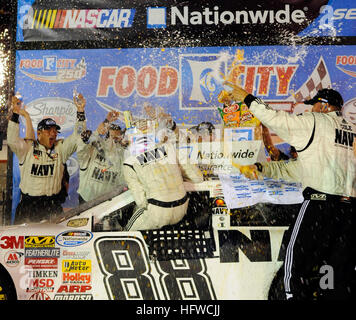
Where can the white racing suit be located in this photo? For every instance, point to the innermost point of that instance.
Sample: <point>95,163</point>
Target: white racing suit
<point>322,235</point>
<point>155,178</point>
<point>100,164</point>
<point>41,172</point>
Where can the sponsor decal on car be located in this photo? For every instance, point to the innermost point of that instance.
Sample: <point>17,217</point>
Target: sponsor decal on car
<point>76,266</point>
<point>42,263</point>
<point>73,238</point>
<point>42,252</point>
<point>13,258</point>
<point>73,297</point>
<point>12,242</point>
<point>39,241</point>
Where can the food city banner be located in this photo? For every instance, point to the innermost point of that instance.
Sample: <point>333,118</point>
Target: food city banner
<point>185,82</point>
<point>182,20</point>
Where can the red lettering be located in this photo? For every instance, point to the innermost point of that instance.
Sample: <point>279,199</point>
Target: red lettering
<point>235,73</point>
<point>346,60</point>
<point>284,76</point>
<point>11,242</point>
<point>85,288</point>
<point>106,80</point>
<point>146,81</point>
<point>250,79</point>
<point>168,81</point>
<point>125,81</point>
<point>63,288</point>
<point>265,75</point>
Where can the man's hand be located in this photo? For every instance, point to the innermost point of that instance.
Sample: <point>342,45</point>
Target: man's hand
<point>16,104</point>
<point>23,113</point>
<point>79,102</point>
<point>354,147</point>
<point>112,116</point>
<point>237,93</point>
<point>250,172</point>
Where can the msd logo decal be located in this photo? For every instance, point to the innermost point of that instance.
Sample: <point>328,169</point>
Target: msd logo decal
<point>52,69</point>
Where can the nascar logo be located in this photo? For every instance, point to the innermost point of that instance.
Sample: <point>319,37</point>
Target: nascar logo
<point>83,18</point>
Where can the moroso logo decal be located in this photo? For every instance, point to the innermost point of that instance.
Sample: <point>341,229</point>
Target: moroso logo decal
<point>78,19</point>
<point>61,70</point>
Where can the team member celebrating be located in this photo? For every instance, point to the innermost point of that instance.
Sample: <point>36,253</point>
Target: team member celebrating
<point>100,159</point>
<point>155,176</point>
<point>41,164</point>
<point>322,234</point>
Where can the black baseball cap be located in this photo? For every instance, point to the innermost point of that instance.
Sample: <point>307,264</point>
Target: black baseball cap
<point>327,95</point>
<point>114,126</point>
<point>47,124</point>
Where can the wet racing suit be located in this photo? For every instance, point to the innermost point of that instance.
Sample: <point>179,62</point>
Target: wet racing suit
<point>155,177</point>
<point>322,234</point>
<point>41,172</point>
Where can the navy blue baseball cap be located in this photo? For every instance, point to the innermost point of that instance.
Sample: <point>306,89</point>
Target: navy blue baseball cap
<point>47,123</point>
<point>327,95</point>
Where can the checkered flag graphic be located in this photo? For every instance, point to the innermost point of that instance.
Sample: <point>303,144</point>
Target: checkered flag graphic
<point>319,79</point>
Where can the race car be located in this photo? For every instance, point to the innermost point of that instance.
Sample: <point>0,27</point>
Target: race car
<point>213,253</point>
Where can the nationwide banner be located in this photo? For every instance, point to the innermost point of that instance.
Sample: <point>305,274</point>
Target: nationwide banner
<point>182,21</point>
<point>185,82</point>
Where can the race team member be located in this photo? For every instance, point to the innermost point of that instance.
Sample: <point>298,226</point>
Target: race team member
<point>273,151</point>
<point>154,174</point>
<point>322,234</point>
<point>100,157</point>
<point>41,164</point>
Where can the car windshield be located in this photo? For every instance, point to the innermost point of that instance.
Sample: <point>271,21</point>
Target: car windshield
<point>90,204</point>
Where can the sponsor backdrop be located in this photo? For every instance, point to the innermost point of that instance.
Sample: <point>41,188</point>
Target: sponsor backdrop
<point>174,73</point>
<point>180,20</point>
<point>184,81</point>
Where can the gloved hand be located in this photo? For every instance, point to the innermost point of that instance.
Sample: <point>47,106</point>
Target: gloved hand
<point>250,172</point>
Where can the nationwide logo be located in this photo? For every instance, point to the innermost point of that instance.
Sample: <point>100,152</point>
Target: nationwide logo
<point>156,17</point>
<point>78,18</point>
<point>54,69</point>
<point>342,61</point>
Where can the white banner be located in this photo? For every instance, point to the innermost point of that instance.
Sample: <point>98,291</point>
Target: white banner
<point>241,192</point>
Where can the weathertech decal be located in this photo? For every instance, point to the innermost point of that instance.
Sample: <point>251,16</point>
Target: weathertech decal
<point>86,18</point>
